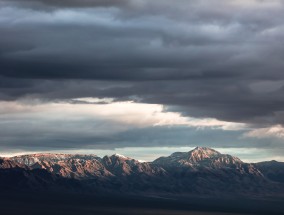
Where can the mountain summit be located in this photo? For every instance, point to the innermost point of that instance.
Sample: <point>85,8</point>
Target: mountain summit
<point>199,157</point>
<point>201,153</point>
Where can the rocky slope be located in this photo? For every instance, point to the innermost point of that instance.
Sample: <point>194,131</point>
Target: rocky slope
<point>87,166</point>
<point>66,165</point>
<point>123,166</point>
<point>203,158</point>
<point>272,170</point>
<point>7,163</point>
<point>17,177</point>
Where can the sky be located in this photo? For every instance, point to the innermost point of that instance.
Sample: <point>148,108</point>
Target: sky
<point>143,78</point>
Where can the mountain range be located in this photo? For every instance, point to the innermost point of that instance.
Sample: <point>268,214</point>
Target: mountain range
<point>202,171</point>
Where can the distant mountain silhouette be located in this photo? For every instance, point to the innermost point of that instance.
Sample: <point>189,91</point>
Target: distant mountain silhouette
<point>201,171</point>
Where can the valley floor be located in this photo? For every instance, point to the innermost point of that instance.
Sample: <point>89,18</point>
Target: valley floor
<point>71,204</point>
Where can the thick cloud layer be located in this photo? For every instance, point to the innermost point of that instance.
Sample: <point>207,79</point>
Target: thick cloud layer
<point>66,3</point>
<point>221,59</point>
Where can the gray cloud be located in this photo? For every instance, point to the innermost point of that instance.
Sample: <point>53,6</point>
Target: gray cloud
<point>95,134</point>
<point>41,4</point>
<point>202,58</point>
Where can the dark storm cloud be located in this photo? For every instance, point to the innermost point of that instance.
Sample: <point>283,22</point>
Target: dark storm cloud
<point>202,58</point>
<point>67,3</point>
<point>35,134</point>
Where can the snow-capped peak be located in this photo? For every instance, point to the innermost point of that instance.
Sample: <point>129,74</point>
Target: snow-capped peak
<point>205,150</point>
<point>121,156</point>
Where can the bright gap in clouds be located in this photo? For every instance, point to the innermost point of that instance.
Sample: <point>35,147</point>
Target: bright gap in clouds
<point>104,127</point>
<point>125,113</point>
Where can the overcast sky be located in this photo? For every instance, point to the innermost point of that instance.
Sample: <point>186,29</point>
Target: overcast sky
<point>136,76</point>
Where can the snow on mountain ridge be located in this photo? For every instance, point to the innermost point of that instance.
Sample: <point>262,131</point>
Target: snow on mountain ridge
<point>91,166</point>
<point>198,157</point>
<point>121,156</point>
<point>32,159</point>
